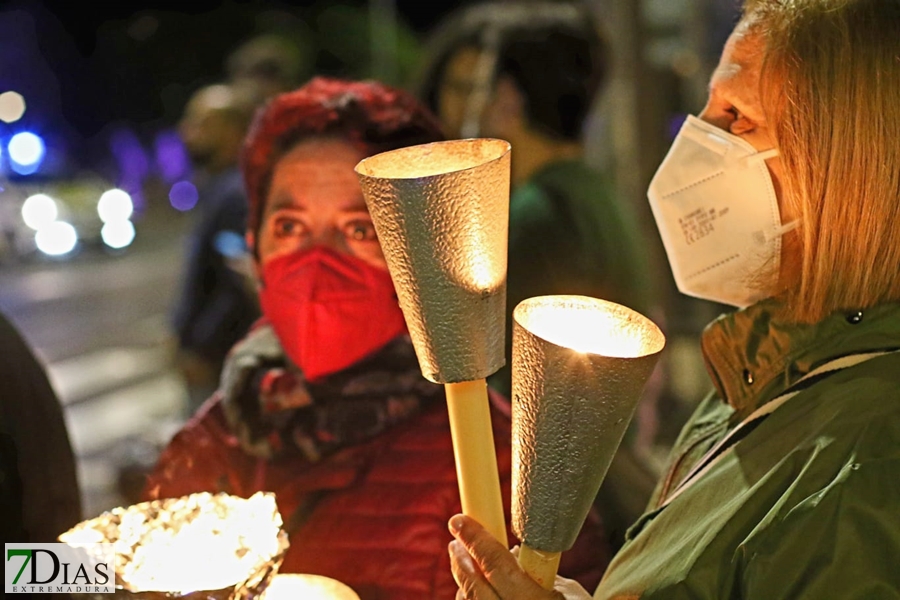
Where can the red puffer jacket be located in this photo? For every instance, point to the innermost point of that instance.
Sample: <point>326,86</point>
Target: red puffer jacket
<point>373,516</point>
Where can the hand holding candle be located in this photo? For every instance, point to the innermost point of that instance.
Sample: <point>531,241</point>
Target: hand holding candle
<point>579,365</point>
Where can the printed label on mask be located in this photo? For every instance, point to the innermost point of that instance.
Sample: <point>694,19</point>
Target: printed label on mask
<point>698,224</point>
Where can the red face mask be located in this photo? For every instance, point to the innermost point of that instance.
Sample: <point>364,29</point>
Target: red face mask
<point>328,309</point>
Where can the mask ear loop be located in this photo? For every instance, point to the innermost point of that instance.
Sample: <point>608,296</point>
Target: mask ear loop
<point>786,228</point>
<point>481,90</point>
<point>779,232</point>
<point>759,156</point>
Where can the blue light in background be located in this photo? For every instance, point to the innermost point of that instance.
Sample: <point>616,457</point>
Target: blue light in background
<point>674,124</point>
<point>26,151</point>
<point>183,196</point>
<point>230,244</point>
<point>133,162</point>
<point>172,160</point>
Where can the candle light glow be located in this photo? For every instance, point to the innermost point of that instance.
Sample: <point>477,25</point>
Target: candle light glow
<point>307,587</point>
<point>195,543</point>
<point>590,326</point>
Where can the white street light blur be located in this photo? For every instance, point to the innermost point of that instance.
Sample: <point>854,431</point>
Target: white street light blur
<point>39,210</point>
<point>12,107</point>
<point>56,238</point>
<point>115,205</point>
<point>26,149</point>
<point>117,234</point>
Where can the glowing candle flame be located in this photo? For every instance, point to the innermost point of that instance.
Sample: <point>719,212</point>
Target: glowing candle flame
<point>308,587</point>
<point>590,325</point>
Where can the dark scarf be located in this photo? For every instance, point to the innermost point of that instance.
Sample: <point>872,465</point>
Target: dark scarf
<point>275,412</point>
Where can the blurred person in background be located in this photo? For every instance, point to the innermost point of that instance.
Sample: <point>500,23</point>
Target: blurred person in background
<point>39,495</point>
<point>216,305</point>
<point>781,198</point>
<point>529,73</point>
<point>271,62</point>
<point>323,403</point>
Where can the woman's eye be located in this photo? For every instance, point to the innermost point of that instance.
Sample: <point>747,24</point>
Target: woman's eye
<point>360,231</point>
<point>285,227</point>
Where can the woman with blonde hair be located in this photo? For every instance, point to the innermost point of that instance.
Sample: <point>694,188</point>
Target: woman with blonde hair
<point>781,198</point>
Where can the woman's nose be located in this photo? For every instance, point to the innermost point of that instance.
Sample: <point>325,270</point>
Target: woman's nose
<point>330,237</point>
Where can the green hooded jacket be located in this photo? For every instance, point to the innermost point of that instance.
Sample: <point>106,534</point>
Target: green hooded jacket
<point>804,506</point>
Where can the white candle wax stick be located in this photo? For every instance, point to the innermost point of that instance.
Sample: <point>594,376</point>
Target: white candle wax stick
<point>476,458</point>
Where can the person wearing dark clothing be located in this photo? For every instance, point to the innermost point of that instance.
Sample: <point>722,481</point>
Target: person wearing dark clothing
<point>11,521</point>
<point>216,306</point>
<point>216,309</point>
<point>39,495</point>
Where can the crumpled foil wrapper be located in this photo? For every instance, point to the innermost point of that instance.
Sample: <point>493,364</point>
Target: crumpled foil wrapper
<point>118,527</point>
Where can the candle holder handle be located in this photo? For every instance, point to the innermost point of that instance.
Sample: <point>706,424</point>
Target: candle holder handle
<point>476,462</point>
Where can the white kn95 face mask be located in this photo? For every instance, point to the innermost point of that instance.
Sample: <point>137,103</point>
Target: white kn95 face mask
<point>717,213</point>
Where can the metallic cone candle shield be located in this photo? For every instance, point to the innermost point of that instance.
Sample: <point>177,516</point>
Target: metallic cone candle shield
<point>441,212</point>
<point>579,366</point>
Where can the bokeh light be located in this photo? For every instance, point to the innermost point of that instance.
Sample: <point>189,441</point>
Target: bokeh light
<point>56,238</point>
<point>39,210</point>
<point>183,196</point>
<point>117,234</point>
<point>132,160</point>
<point>230,244</point>
<point>12,107</point>
<point>115,205</point>
<point>172,160</point>
<point>26,151</point>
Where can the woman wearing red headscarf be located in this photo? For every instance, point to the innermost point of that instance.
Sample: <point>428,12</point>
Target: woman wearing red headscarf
<point>323,403</point>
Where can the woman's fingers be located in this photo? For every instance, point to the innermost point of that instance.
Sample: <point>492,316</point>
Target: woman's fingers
<point>472,583</point>
<point>485,569</point>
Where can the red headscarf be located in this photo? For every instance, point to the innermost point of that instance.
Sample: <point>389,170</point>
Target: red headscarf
<point>372,116</point>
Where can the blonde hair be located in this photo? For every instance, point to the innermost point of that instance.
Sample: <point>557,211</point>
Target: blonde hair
<point>831,88</point>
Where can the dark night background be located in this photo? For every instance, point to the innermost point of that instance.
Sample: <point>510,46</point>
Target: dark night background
<point>84,68</point>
